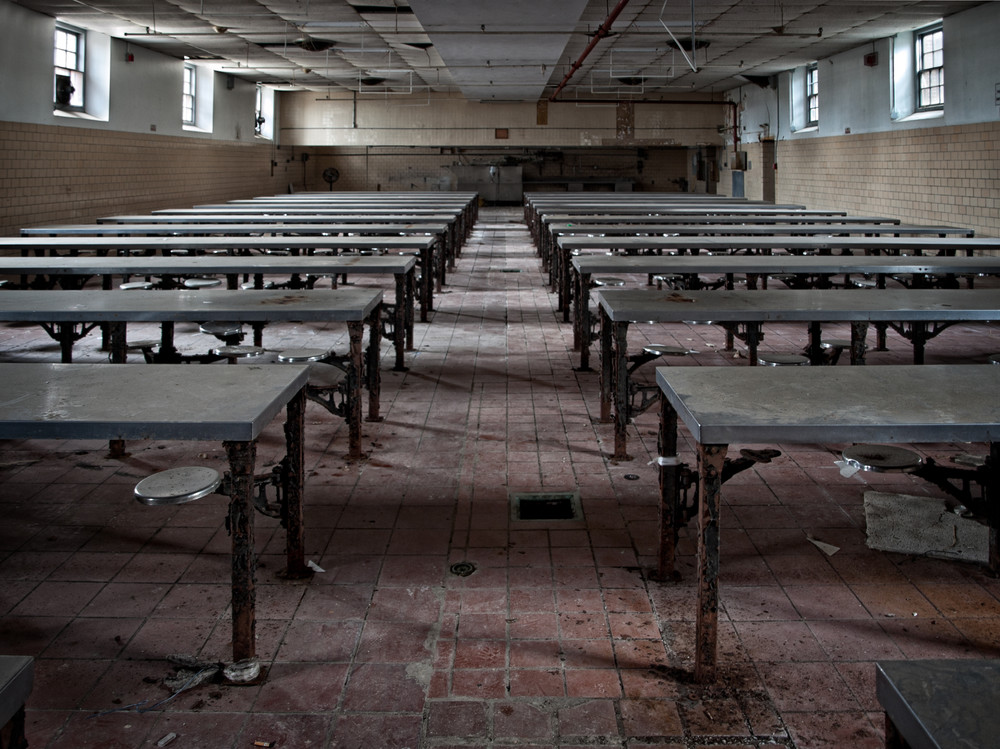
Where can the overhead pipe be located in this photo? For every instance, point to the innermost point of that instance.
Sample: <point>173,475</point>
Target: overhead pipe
<point>602,32</point>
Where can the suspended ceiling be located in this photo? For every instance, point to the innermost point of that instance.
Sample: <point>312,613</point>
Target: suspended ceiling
<point>502,50</point>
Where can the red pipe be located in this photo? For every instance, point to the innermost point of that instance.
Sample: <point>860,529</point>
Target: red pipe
<point>602,32</point>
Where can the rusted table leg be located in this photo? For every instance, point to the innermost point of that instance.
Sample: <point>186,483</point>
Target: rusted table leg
<point>710,461</point>
<point>607,353</point>
<point>993,503</point>
<point>427,274</point>
<point>355,330</point>
<point>411,293</point>
<point>859,334</point>
<point>242,456</point>
<point>619,380</point>
<point>667,449</point>
<point>373,374</point>
<point>295,536</point>
<point>399,324</point>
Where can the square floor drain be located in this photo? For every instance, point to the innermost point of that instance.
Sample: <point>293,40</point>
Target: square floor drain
<point>545,506</point>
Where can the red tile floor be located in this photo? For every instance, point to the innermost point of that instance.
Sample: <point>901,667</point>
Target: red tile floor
<point>559,637</point>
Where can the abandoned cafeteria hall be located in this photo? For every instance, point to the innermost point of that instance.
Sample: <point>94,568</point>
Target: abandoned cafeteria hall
<point>440,374</point>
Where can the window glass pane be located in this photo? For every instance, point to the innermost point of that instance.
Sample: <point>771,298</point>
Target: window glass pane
<point>930,68</point>
<point>188,95</point>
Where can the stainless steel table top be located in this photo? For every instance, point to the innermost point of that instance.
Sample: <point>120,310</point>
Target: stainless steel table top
<point>801,244</point>
<point>783,263</point>
<point>330,211</point>
<point>166,244</point>
<point>812,305</point>
<point>432,227</point>
<point>664,231</point>
<point>701,218</point>
<point>207,264</point>
<point>892,404</point>
<point>139,401</point>
<point>166,305</point>
<point>351,217</point>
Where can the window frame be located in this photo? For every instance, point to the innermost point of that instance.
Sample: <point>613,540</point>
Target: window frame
<point>77,73</point>
<point>258,111</point>
<point>189,95</point>
<point>935,72</point>
<point>812,95</point>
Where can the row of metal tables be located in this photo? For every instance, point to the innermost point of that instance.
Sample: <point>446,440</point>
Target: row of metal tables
<point>232,404</point>
<point>767,406</point>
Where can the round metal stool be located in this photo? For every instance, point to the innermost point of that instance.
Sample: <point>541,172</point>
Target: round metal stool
<point>201,283</point>
<point>608,281</point>
<point>834,347</point>
<point>661,349</point>
<point>672,280</point>
<point>881,458</point>
<point>782,360</point>
<point>229,332</point>
<point>177,485</point>
<point>233,353</point>
<point>301,355</point>
<point>862,283</point>
<point>250,285</point>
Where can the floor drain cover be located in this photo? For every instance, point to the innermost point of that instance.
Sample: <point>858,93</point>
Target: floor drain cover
<point>463,569</point>
<point>546,506</point>
<point>631,476</point>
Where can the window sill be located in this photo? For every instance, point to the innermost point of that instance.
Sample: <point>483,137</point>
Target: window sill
<point>196,129</point>
<point>927,114</point>
<point>74,114</point>
<point>808,129</point>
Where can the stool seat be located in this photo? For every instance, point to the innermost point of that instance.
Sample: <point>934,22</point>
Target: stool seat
<point>660,349</point>
<point>132,285</point>
<point>221,330</point>
<point>835,343</point>
<point>862,283</point>
<point>177,485</point>
<point>994,359</point>
<point>299,355</point>
<point>232,353</point>
<point>881,458</point>
<point>201,283</point>
<point>608,281</point>
<point>782,360</point>
<point>138,345</point>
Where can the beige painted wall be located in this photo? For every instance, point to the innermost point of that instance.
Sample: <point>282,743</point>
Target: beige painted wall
<point>416,121</point>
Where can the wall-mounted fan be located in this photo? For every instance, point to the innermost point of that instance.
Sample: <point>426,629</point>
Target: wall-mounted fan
<point>330,175</point>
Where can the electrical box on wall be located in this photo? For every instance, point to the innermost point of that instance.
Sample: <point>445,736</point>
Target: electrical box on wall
<point>871,59</point>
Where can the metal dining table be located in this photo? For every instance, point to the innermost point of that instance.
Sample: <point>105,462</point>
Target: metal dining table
<point>818,270</point>
<point>720,406</point>
<point>69,315</point>
<point>918,315</point>
<point>70,270</point>
<point>178,402</point>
